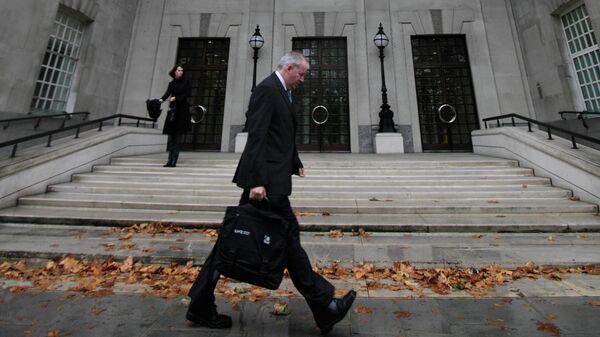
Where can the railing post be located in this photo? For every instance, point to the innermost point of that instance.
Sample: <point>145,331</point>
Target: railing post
<point>137,125</point>
<point>49,141</point>
<point>77,133</point>
<point>37,124</point>
<point>484,122</point>
<point>119,123</point>
<point>529,126</point>
<point>14,151</point>
<point>513,121</point>
<point>574,143</point>
<point>63,123</point>
<point>100,126</point>
<point>498,122</point>
<point>549,134</point>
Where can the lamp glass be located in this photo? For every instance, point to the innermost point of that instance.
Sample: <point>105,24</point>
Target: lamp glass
<point>381,40</point>
<point>256,41</point>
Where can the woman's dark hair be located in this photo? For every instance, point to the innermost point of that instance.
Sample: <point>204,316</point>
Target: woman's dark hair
<point>172,72</point>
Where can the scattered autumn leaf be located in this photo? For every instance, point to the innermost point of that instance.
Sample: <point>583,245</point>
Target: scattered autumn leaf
<point>126,236</point>
<point>551,238</point>
<point>574,198</point>
<point>402,314</point>
<point>280,309</point>
<point>548,328</point>
<point>53,333</point>
<point>147,250</point>
<point>550,316</point>
<point>336,233</point>
<point>594,303</point>
<point>582,236</point>
<point>325,213</point>
<point>476,236</point>
<point>499,323</point>
<point>363,310</point>
<point>524,186</point>
<point>493,202</point>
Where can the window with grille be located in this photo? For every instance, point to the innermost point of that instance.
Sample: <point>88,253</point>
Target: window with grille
<point>583,47</point>
<point>60,61</point>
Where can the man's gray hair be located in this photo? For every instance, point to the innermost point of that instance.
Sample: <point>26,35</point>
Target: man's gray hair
<point>292,57</point>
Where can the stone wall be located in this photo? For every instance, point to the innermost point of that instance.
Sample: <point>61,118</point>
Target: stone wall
<point>26,26</point>
<point>550,74</point>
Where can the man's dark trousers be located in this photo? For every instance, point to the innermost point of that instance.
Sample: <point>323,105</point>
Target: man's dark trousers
<point>317,291</point>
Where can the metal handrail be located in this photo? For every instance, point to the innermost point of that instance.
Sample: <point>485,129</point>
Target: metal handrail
<point>49,134</point>
<point>549,128</point>
<point>580,115</point>
<point>66,116</point>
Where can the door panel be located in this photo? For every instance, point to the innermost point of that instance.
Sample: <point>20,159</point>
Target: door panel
<point>205,61</point>
<point>321,103</point>
<point>443,78</point>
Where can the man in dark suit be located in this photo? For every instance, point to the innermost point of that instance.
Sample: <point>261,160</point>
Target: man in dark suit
<point>265,171</point>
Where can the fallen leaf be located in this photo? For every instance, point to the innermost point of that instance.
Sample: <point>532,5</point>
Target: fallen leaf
<point>574,198</point>
<point>336,233</point>
<point>499,323</point>
<point>551,238</point>
<point>325,213</point>
<point>476,236</point>
<point>550,316</point>
<point>126,236</point>
<point>582,236</point>
<point>548,328</point>
<point>524,186</point>
<point>363,310</point>
<point>280,309</point>
<point>493,202</point>
<point>402,314</point>
<point>53,333</point>
<point>147,250</point>
<point>594,303</point>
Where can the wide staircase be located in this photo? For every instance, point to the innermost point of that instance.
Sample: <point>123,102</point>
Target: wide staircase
<point>412,192</point>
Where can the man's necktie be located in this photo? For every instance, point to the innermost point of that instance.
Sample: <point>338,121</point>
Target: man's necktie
<point>290,96</point>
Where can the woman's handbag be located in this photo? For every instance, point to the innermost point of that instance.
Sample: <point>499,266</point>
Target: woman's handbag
<point>171,115</point>
<point>252,246</point>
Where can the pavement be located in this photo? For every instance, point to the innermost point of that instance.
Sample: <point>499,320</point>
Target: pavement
<point>560,306</point>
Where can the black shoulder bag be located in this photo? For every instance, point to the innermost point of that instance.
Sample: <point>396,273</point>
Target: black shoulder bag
<point>252,246</point>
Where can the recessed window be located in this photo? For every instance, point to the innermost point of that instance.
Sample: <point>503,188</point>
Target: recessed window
<point>60,62</point>
<point>585,53</point>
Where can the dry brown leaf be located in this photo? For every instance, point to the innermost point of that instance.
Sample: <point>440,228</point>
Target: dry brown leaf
<point>493,202</point>
<point>336,233</point>
<point>548,328</point>
<point>582,236</point>
<point>524,186</point>
<point>280,309</point>
<point>363,310</point>
<point>550,316</point>
<point>551,238</point>
<point>476,236</point>
<point>594,303</point>
<point>326,213</point>
<point>147,250</point>
<point>126,236</point>
<point>402,314</point>
<point>53,333</point>
<point>574,198</point>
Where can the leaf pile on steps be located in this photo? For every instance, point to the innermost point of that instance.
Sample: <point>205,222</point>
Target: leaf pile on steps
<point>98,277</point>
<point>159,228</point>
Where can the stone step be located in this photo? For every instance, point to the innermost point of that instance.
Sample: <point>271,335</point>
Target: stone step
<point>365,161</point>
<point>223,179</point>
<point>333,172</point>
<point>493,222</point>
<point>430,249</point>
<point>345,206</point>
<point>417,192</point>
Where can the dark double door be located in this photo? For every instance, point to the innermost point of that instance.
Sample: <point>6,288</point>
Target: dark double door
<point>446,101</point>
<point>205,61</point>
<point>321,103</point>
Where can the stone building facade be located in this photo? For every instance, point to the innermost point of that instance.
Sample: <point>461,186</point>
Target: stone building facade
<point>468,59</point>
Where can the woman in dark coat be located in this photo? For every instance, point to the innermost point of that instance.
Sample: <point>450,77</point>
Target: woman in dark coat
<point>178,118</point>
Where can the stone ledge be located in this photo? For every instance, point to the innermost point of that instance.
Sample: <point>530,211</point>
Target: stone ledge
<point>35,168</point>
<point>574,169</point>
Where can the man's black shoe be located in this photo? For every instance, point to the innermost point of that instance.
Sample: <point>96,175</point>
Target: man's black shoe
<point>335,312</point>
<point>211,319</point>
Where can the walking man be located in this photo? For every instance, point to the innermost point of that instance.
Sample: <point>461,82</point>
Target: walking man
<point>265,172</point>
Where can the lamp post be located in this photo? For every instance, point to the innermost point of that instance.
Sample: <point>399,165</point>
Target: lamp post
<point>256,42</point>
<point>386,121</point>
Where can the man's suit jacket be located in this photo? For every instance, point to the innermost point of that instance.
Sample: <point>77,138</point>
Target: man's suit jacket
<point>270,156</point>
